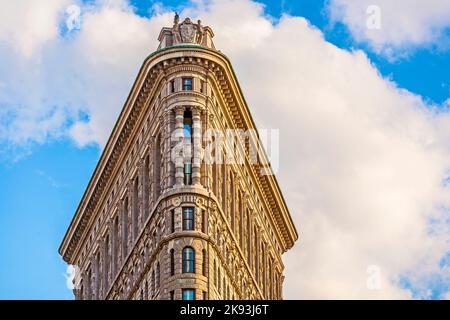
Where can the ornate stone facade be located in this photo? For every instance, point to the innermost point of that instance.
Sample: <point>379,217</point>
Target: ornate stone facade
<point>157,222</point>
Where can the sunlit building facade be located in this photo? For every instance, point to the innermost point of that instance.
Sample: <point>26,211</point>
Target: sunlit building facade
<point>157,221</point>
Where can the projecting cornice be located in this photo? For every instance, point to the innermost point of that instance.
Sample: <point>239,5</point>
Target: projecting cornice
<point>150,76</point>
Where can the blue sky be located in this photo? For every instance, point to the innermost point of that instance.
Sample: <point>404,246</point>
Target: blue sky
<point>41,182</point>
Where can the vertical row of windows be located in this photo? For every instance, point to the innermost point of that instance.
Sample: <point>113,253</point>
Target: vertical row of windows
<point>187,134</point>
<point>188,266</point>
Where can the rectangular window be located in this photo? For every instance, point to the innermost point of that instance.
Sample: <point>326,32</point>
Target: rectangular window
<point>172,295</point>
<point>187,84</point>
<point>172,218</point>
<point>187,174</point>
<point>172,262</point>
<point>203,221</point>
<point>188,294</point>
<point>204,265</point>
<point>188,260</point>
<point>188,218</point>
<point>172,86</point>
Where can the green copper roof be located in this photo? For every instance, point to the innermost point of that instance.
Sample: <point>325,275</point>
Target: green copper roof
<point>176,46</point>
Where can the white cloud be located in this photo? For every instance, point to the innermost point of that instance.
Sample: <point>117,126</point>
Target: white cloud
<point>84,71</point>
<point>405,24</point>
<point>362,161</point>
<point>28,24</point>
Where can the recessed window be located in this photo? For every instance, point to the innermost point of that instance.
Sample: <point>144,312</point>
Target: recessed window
<point>188,174</point>
<point>172,220</point>
<point>188,258</point>
<point>172,86</point>
<point>204,262</point>
<point>188,218</point>
<point>187,84</point>
<point>172,295</point>
<point>188,294</point>
<point>172,262</point>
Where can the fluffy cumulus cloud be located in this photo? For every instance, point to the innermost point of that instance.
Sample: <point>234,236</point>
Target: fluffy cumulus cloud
<point>68,70</point>
<point>364,164</point>
<point>395,27</point>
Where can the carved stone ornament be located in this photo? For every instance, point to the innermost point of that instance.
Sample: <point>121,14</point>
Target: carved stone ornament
<point>176,202</point>
<point>188,31</point>
<point>199,201</point>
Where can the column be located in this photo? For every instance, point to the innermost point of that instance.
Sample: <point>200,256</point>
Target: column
<point>170,161</point>
<point>114,251</point>
<point>96,275</point>
<point>177,154</point>
<point>197,140</point>
<point>167,141</point>
<point>124,237</point>
<point>105,264</point>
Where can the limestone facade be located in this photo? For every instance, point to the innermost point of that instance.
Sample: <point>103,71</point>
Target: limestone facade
<point>156,223</point>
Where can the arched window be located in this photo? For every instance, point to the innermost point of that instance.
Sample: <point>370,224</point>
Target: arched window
<point>188,257</point>
<point>172,262</point>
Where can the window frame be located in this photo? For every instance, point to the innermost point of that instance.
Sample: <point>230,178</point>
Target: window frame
<point>186,87</point>
<point>188,222</point>
<point>187,260</point>
<point>191,290</point>
<point>172,262</point>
